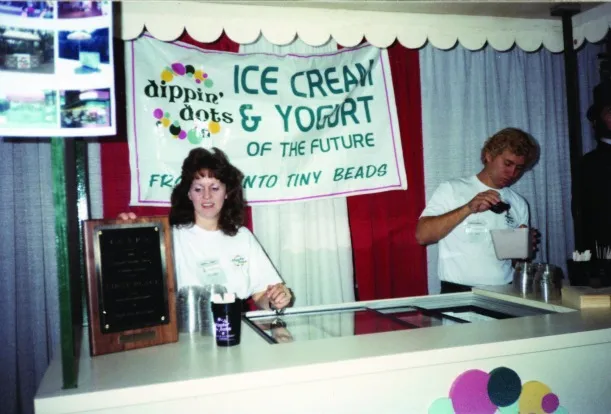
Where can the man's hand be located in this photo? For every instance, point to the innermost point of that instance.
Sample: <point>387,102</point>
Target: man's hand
<point>483,201</point>
<point>535,237</point>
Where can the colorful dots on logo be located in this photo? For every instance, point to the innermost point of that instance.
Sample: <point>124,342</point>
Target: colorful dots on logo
<point>179,69</point>
<point>164,118</point>
<point>500,391</point>
<point>504,386</point>
<point>193,137</point>
<point>214,127</point>
<point>166,76</point>
<point>469,393</point>
<point>176,131</point>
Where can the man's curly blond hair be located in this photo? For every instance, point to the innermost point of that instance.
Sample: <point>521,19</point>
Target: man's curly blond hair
<point>516,141</point>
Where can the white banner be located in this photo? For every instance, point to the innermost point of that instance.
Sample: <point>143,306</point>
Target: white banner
<point>56,69</point>
<point>299,127</point>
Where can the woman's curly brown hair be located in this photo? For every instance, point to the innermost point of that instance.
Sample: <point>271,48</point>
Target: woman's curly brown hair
<point>201,162</point>
<point>514,140</point>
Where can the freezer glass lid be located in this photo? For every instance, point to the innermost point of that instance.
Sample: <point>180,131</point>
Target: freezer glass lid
<point>324,324</point>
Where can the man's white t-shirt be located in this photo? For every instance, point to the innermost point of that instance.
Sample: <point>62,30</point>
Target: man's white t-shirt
<point>237,262</point>
<point>466,254</point>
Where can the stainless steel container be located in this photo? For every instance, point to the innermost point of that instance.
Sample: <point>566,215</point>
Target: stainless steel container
<point>194,310</point>
<point>524,276</point>
<point>548,282</point>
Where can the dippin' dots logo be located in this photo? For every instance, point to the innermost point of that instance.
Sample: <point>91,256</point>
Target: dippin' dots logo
<point>164,119</point>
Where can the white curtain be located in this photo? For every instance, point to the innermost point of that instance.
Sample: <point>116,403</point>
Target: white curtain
<point>468,96</point>
<point>589,77</point>
<point>308,242</point>
<point>29,307</point>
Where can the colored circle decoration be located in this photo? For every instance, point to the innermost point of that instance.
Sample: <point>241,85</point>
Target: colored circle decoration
<point>167,76</point>
<point>174,130</point>
<point>208,83</point>
<point>193,137</point>
<point>504,386</point>
<point>214,127</point>
<point>178,68</point>
<point>531,398</point>
<point>165,122</point>
<point>500,392</point>
<point>158,113</point>
<point>441,406</point>
<point>469,393</point>
<point>550,403</point>
<point>182,134</point>
<point>189,69</point>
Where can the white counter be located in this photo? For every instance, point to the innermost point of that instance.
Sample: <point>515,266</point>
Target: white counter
<point>402,371</point>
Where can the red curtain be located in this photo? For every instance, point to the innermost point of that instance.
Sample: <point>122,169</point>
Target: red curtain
<point>388,263</point>
<point>115,153</point>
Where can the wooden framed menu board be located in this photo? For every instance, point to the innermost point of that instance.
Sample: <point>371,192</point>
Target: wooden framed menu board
<point>130,284</point>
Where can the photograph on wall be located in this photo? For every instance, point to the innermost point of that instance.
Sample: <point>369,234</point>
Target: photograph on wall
<point>22,108</point>
<point>82,9</point>
<point>56,69</point>
<point>26,50</point>
<point>83,52</point>
<point>85,109</point>
<point>33,9</point>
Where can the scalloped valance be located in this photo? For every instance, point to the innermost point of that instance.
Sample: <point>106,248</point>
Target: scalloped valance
<point>592,25</point>
<point>205,22</point>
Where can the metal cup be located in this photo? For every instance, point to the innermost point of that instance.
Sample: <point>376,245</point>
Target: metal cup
<point>548,282</point>
<point>188,309</point>
<point>194,308</point>
<point>524,276</point>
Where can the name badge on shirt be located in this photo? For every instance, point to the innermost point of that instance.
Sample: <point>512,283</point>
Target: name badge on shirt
<point>211,273</point>
<point>476,231</point>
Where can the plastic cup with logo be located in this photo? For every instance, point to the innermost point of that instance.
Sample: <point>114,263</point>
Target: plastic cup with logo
<point>227,314</point>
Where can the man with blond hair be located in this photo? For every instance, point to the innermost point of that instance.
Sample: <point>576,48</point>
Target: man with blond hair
<point>461,213</point>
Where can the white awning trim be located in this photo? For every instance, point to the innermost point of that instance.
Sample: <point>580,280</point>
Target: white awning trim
<point>243,24</point>
<point>592,25</point>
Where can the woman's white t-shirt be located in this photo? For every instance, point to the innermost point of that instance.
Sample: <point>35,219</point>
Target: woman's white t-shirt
<point>237,262</point>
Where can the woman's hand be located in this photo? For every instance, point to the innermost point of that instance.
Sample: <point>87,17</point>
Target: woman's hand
<point>278,295</point>
<point>127,216</point>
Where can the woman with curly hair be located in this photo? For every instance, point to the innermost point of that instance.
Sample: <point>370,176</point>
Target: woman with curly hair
<point>210,244</point>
